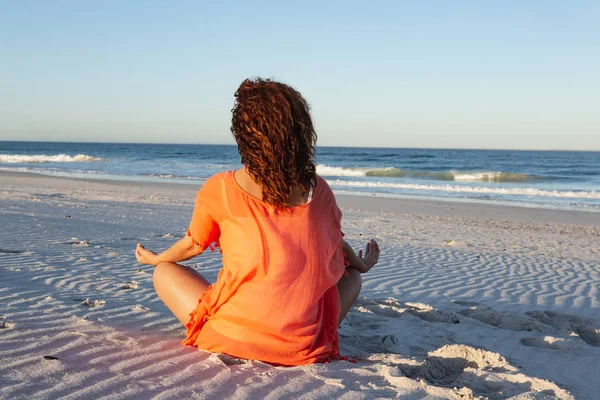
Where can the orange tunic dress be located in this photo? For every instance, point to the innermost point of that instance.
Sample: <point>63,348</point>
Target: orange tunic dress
<point>275,298</point>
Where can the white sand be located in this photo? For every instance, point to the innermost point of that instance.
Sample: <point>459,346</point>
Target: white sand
<point>468,301</point>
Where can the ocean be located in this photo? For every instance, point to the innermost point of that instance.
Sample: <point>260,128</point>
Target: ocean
<point>554,179</point>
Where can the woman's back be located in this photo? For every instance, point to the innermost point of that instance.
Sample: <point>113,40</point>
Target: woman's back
<point>276,297</point>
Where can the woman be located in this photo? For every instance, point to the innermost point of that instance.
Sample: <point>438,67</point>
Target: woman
<point>285,285</point>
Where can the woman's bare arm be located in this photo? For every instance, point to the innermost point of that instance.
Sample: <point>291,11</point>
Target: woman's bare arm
<point>182,250</point>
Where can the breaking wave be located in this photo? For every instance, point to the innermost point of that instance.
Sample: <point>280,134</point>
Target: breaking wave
<point>42,158</point>
<point>172,176</point>
<point>470,189</point>
<point>391,172</point>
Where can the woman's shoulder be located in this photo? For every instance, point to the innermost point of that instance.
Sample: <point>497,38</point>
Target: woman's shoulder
<point>326,203</point>
<point>209,197</point>
<point>214,182</point>
<point>323,186</point>
<point>324,192</point>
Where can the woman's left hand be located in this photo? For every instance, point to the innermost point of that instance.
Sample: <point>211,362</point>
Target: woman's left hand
<point>145,256</point>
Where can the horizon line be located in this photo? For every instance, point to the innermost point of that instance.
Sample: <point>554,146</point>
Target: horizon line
<point>349,147</point>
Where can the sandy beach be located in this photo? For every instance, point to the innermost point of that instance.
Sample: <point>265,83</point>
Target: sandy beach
<point>469,300</point>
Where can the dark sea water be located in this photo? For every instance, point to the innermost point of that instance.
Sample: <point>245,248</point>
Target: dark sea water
<point>564,179</point>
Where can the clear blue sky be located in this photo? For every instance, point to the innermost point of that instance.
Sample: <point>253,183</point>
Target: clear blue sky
<point>467,74</point>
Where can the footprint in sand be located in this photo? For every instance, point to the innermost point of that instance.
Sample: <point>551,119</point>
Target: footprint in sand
<point>393,308</point>
<point>358,320</point>
<point>478,373</point>
<point>371,343</point>
<point>381,308</point>
<point>567,323</point>
<point>546,342</point>
<point>228,360</point>
<point>430,314</point>
<point>445,365</point>
<point>504,320</point>
<point>589,335</point>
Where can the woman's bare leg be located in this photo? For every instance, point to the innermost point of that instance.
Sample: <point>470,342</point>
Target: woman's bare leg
<point>179,287</point>
<point>349,288</point>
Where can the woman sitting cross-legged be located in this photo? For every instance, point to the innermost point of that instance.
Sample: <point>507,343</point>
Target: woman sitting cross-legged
<point>288,278</point>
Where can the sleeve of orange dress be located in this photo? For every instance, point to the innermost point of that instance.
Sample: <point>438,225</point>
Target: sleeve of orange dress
<point>203,227</point>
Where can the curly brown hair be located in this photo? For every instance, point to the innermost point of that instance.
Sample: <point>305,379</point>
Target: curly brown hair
<point>272,126</point>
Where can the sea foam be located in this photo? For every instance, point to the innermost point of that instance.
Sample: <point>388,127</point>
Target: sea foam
<point>391,172</point>
<point>43,158</point>
<point>470,189</point>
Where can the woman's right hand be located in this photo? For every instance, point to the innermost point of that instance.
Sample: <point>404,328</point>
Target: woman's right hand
<point>371,255</point>
<point>145,256</point>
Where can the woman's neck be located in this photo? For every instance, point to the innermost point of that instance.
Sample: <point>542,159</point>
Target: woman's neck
<point>243,178</point>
